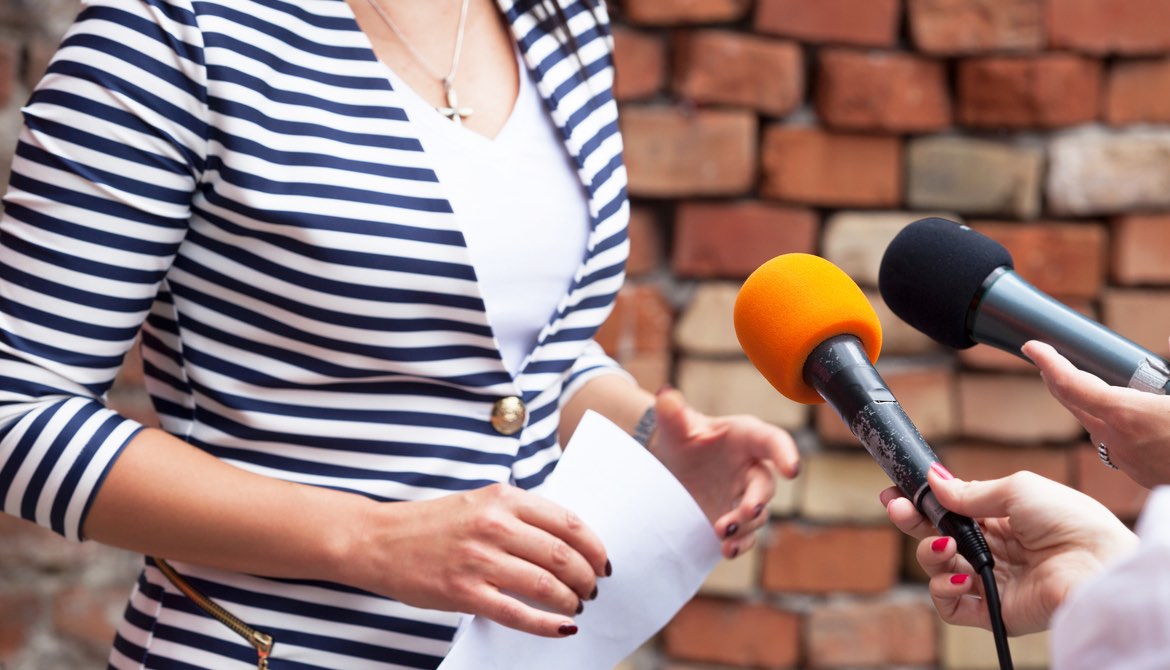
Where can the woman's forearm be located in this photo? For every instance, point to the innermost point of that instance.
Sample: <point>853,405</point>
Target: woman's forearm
<point>166,498</point>
<point>611,395</point>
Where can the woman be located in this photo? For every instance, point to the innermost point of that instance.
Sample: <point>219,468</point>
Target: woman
<point>366,246</point>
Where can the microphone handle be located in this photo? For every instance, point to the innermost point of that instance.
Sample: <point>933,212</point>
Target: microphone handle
<point>1011,311</point>
<point>842,374</point>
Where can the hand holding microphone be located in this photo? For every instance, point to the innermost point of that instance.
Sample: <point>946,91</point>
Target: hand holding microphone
<point>812,333</point>
<point>957,286</point>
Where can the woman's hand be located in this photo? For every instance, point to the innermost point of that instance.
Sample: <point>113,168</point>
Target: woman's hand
<point>727,464</point>
<point>1046,538</point>
<point>488,552</point>
<point>1134,425</point>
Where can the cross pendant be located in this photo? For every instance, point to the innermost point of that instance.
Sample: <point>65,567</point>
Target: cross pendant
<point>453,111</point>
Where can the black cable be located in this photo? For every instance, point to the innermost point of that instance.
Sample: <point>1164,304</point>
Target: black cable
<point>972,546</point>
<point>991,596</point>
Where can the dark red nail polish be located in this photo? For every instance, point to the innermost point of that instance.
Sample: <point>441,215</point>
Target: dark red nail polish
<point>941,471</point>
<point>567,629</point>
<point>731,530</point>
<point>593,596</point>
<point>608,568</point>
<point>734,552</point>
<point>580,606</point>
<point>757,510</point>
<point>959,580</point>
<point>939,544</point>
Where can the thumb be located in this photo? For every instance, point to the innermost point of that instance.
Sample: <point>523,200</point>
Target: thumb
<point>977,499</point>
<point>671,408</point>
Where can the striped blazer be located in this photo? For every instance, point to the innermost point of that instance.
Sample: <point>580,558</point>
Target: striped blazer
<point>237,181</point>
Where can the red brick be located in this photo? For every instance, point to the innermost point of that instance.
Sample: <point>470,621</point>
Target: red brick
<point>673,12</point>
<point>39,51</point>
<point>671,153</point>
<point>810,166</point>
<point>715,239</point>
<point>871,634</point>
<point>1112,488</point>
<point>1142,315</point>
<point>1065,260</point>
<point>9,70</point>
<point>801,558</point>
<point>89,615</point>
<point>1141,247</point>
<point>1128,27</point>
<point>983,461</point>
<point>650,370</point>
<point>19,613</point>
<point>646,244</point>
<point>733,68</point>
<point>721,631</point>
<point>25,546</point>
<point>883,91</point>
<point>1012,409</point>
<point>639,324</point>
<point>954,27</point>
<point>1047,91</point>
<point>857,22</point>
<point>639,64</point>
<point>1138,92</point>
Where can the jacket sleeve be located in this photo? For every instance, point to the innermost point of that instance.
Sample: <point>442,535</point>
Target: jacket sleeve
<point>112,147</point>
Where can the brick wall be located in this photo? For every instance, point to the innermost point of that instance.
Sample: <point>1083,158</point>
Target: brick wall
<point>823,126</point>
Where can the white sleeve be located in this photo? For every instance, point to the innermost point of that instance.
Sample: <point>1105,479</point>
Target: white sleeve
<point>1121,618</point>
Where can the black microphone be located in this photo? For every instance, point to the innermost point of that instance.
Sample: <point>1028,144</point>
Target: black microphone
<point>959,287</point>
<point>812,333</point>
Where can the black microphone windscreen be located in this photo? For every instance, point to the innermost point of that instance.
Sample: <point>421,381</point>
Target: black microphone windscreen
<point>933,271</point>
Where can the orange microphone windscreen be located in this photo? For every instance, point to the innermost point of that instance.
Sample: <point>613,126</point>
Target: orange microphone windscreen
<point>792,304</point>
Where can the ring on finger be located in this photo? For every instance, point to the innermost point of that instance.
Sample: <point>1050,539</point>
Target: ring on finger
<point>1103,454</point>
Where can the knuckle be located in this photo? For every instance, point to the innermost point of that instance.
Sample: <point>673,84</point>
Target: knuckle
<point>508,613</point>
<point>561,554</point>
<point>546,585</point>
<point>573,522</point>
<point>491,525</point>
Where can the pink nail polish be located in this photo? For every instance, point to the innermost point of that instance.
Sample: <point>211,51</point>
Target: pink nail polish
<point>664,388</point>
<point>959,580</point>
<point>939,544</point>
<point>941,471</point>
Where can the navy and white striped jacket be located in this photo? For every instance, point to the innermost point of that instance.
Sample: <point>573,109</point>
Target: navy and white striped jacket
<point>237,180</point>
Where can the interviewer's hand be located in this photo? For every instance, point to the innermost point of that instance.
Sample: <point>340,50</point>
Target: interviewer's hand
<point>1046,538</point>
<point>728,464</point>
<point>470,552</point>
<point>1133,424</point>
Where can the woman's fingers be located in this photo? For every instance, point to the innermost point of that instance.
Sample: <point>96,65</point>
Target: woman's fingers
<point>904,515</point>
<point>507,610</point>
<point>566,526</point>
<point>954,596</point>
<point>750,511</point>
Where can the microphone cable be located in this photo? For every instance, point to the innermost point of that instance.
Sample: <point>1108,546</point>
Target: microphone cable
<point>995,614</point>
<point>971,545</point>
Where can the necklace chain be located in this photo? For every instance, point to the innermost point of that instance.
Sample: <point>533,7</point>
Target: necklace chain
<point>452,110</point>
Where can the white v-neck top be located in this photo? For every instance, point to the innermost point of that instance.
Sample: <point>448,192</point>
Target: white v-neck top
<point>521,207</point>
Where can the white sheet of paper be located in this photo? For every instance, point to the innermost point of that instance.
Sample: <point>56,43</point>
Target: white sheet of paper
<point>659,542</point>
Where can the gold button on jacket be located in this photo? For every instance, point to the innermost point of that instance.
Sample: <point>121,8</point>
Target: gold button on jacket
<point>508,415</point>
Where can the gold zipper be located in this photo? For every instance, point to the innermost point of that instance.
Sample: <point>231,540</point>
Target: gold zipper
<point>263,642</point>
